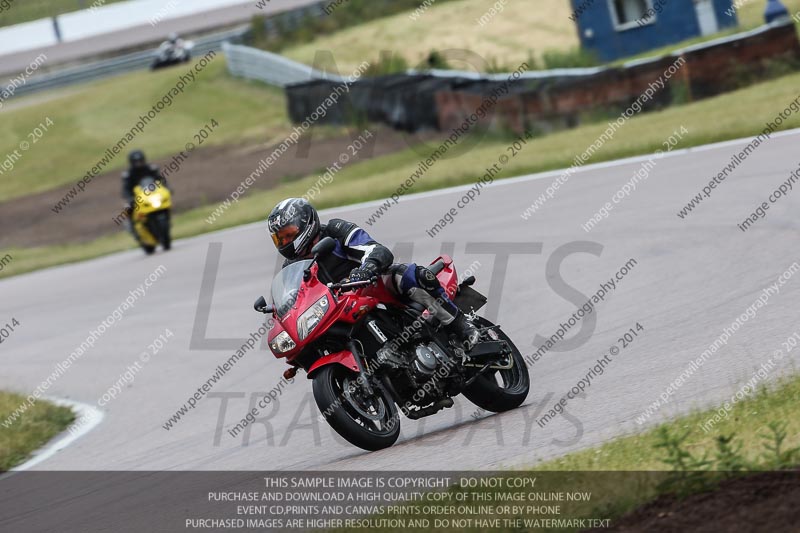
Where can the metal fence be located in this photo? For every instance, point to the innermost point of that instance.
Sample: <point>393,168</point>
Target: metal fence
<point>121,64</point>
<point>254,64</point>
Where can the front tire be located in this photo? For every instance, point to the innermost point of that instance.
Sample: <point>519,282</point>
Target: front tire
<point>371,423</point>
<point>166,236</point>
<point>160,228</point>
<point>500,390</point>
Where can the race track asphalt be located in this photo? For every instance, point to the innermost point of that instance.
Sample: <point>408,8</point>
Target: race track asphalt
<point>692,278</point>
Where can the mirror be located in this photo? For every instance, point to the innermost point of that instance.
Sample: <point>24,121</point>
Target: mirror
<point>260,305</point>
<point>324,247</point>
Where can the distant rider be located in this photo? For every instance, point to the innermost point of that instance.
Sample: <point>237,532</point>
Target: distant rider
<point>295,227</point>
<point>174,42</point>
<point>138,169</point>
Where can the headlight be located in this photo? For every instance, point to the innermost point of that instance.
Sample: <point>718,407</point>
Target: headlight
<point>282,343</point>
<point>311,318</point>
<point>155,201</point>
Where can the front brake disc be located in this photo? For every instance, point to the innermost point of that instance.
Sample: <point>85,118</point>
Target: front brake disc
<point>356,400</point>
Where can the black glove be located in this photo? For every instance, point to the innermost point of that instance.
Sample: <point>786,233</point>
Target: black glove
<point>364,273</point>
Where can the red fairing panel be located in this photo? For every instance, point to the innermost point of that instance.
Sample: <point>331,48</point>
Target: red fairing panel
<point>448,277</point>
<point>345,358</point>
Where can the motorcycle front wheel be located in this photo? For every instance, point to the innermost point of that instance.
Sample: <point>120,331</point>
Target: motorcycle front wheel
<point>166,236</point>
<point>500,390</point>
<point>369,422</point>
<point>160,228</point>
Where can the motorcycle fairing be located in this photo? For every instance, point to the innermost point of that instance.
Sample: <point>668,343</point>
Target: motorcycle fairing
<point>149,199</point>
<point>344,358</point>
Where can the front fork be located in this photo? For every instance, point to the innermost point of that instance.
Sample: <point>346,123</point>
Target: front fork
<point>364,375</point>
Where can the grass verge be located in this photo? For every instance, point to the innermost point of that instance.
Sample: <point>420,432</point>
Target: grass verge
<point>510,37</point>
<point>712,120</point>
<point>40,423</point>
<point>748,420</point>
<point>513,35</point>
<point>751,14</point>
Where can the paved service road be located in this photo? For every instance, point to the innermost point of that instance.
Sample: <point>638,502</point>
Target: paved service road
<point>144,34</point>
<point>692,278</point>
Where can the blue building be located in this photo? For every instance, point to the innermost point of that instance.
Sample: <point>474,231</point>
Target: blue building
<point>620,28</point>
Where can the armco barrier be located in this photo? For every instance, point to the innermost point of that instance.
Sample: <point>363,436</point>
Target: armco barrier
<point>120,64</point>
<point>254,64</point>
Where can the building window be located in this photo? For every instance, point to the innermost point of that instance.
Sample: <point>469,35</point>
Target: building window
<point>627,14</point>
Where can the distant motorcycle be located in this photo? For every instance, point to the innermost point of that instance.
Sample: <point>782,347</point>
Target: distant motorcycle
<point>169,54</point>
<point>151,215</point>
<point>368,353</point>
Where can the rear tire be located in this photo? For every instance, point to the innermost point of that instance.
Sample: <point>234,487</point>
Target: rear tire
<point>487,393</point>
<point>345,411</point>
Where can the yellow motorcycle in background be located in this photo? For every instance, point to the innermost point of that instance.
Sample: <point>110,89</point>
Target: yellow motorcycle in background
<point>151,214</point>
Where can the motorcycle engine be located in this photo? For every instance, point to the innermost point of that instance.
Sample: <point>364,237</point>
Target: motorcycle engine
<point>427,358</point>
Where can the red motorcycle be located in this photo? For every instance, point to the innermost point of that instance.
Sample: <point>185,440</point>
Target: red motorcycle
<point>369,354</point>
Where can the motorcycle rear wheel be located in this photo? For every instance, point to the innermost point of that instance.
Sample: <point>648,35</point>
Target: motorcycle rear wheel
<point>500,390</point>
<point>371,423</point>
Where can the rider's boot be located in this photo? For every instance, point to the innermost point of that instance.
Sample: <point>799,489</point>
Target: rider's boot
<point>465,332</point>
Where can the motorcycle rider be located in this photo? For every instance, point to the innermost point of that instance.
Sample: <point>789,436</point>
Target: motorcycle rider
<point>173,42</point>
<point>295,228</point>
<point>171,52</point>
<point>138,169</point>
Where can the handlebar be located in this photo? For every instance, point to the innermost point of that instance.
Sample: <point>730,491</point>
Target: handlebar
<point>347,285</point>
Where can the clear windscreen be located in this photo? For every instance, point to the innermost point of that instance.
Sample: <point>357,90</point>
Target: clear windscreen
<point>148,183</point>
<point>286,285</point>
